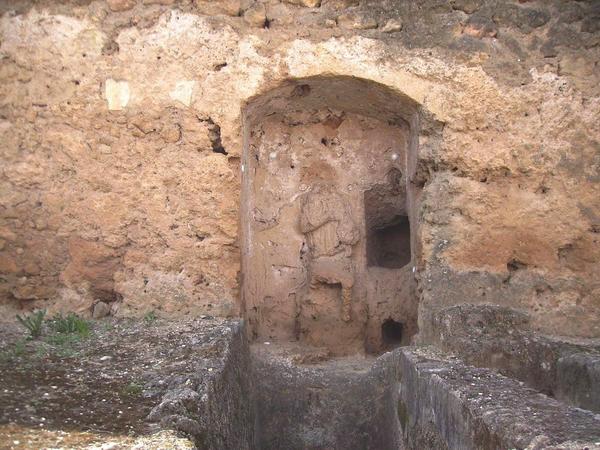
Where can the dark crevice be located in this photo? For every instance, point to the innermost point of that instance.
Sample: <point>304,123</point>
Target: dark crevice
<point>110,47</point>
<point>513,266</point>
<point>563,252</point>
<point>302,90</point>
<point>214,134</point>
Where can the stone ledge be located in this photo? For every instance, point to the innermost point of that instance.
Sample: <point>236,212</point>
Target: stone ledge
<point>447,404</point>
<point>211,402</point>
<point>499,338</point>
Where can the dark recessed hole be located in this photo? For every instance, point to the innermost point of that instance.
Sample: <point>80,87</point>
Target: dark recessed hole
<point>389,246</point>
<point>542,189</point>
<point>387,225</point>
<point>301,90</point>
<point>513,265</point>
<point>219,149</point>
<point>110,48</point>
<point>391,333</point>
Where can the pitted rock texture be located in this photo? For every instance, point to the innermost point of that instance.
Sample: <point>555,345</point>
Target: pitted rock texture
<point>126,381</point>
<point>132,384</point>
<point>446,404</point>
<point>325,190</point>
<point>500,338</point>
<point>341,403</point>
<point>121,129</point>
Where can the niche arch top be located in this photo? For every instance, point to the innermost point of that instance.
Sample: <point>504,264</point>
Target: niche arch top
<point>325,166</point>
<point>351,94</point>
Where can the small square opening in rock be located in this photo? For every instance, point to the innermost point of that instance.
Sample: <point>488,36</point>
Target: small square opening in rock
<point>391,333</point>
<point>389,245</point>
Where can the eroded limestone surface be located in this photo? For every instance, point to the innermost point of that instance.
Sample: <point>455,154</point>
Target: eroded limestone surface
<point>121,128</point>
<point>501,339</point>
<point>446,404</point>
<point>326,196</point>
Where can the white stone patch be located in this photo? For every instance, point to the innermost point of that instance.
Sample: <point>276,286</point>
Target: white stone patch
<point>117,94</point>
<point>39,30</point>
<point>4,126</point>
<point>183,92</point>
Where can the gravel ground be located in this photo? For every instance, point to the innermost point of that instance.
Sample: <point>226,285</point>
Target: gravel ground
<point>96,391</point>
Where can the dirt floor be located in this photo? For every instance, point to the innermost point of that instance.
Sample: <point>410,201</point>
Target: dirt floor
<point>71,390</point>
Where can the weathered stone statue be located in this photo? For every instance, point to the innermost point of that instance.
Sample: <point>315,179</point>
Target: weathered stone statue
<point>330,231</point>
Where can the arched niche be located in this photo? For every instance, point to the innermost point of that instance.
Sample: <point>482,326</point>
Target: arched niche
<point>328,215</point>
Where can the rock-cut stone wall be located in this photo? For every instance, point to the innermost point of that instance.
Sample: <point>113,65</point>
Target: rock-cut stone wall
<point>121,138</point>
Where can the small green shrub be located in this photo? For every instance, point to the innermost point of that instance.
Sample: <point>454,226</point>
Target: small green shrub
<point>18,348</point>
<point>66,351</point>
<point>33,322</point>
<point>133,389</point>
<point>14,351</point>
<point>107,326</point>
<point>62,339</point>
<point>41,351</point>
<point>150,318</point>
<point>71,323</point>
<point>61,344</point>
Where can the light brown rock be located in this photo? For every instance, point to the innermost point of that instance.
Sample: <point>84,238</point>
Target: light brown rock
<point>256,15</point>
<point>171,132</point>
<point>120,5</point>
<point>93,264</point>
<point>306,3</point>
<point>158,2</point>
<point>227,7</point>
<point>338,5</point>
<point>101,310</point>
<point>356,21</point>
<point>7,264</point>
<point>392,26</point>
